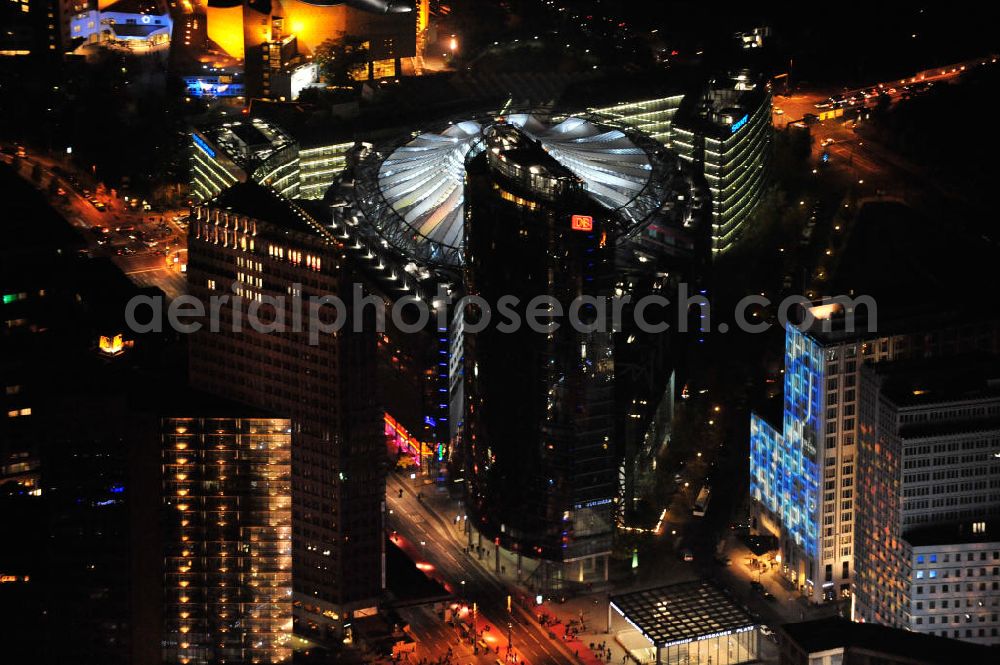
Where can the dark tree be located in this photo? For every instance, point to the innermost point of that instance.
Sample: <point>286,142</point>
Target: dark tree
<point>339,58</point>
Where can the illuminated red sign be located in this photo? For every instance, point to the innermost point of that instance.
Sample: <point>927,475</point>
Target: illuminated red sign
<point>582,223</point>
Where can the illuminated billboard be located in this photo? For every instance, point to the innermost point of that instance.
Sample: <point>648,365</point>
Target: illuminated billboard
<point>213,86</point>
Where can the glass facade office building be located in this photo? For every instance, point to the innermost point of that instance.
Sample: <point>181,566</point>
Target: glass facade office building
<point>728,136</point>
<point>539,418</point>
<point>724,129</point>
<point>244,150</point>
<point>228,559</point>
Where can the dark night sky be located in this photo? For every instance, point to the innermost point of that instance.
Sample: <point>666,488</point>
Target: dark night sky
<point>836,41</point>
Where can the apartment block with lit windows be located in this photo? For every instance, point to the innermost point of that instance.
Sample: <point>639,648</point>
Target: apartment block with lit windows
<point>928,549</point>
<point>31,28</point>
<point>228,559</point>
<point>804,470</point>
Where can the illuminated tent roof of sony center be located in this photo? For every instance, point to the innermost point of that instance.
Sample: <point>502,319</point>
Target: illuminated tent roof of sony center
<point>421,183</point>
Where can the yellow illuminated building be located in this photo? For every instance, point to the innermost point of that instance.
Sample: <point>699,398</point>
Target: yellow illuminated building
<point>236,29</point>
<point>225,28</point>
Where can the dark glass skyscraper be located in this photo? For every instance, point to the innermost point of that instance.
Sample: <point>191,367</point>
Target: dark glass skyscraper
<point>539,423</point>
<point>551,431</point>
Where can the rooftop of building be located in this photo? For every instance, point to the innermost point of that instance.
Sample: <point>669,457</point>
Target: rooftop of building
<point>149,7</point>
<point>953,534</point>
<point>263,203</point>
<point>248,141</point>
<point>520,154</point>
<point>420,200</point>
<point>627,87</point>
<point>867,319</point>
<point>947,382</point>
<point>250,133</point>
<point>835,632</point>
<point>684,611</point>
<point>394,106</point>
<point>922,381</point>
<point>722,106</point>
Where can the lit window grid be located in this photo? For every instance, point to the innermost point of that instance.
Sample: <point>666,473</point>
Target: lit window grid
<point>231,561</point>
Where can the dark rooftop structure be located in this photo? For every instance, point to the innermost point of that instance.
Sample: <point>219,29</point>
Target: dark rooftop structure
<point>870,318</point>
<point>939,380</point>
<point>680,612</point>
<point>263,203</point>
<point>921,383</point>
<point>720,103</point>
<point>868,642</point>
<point>250,135</point>
<point>394,107</point>
<point>620,87</point>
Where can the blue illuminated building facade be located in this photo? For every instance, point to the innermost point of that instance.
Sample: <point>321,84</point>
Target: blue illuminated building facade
<point>784,466</point>
<point>135,24</point>
<point>804,479</point>
<point>214,86</point>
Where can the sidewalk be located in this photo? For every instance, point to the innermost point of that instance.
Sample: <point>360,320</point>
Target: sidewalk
<point>788,604</point>
<point>437,500</point>
<point>586,619</point>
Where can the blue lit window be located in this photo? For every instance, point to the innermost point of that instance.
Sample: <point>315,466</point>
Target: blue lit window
<point>920,559</point>
<point>933,574</point>
<point>920,574</point>
<point>934,558</point>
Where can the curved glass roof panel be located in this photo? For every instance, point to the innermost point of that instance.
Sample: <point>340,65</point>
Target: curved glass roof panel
<point>423,180</point>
